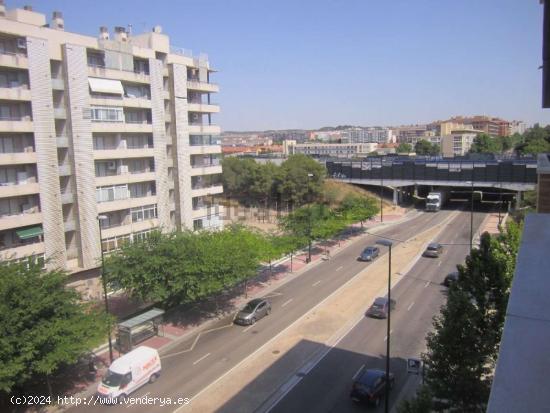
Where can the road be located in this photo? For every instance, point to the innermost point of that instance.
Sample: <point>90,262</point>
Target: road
<point>419,297</point>
<point>198,361</point>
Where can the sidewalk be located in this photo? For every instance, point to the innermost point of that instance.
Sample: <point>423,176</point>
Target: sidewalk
<point>179,325</point>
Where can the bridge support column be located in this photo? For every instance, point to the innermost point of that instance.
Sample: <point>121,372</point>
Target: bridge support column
<point>395,195</point>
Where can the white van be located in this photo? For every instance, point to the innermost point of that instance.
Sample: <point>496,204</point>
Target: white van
<point>130,372</point>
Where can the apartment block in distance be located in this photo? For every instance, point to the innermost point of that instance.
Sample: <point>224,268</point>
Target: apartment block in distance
<point>113,131</point>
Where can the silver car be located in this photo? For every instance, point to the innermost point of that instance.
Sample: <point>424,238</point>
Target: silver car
<point>253,311</point>
<point>434,250</point>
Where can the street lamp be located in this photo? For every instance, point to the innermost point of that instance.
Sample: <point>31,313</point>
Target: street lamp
<point>104,282</point>
<point>381,190</point>
<point>388,244</point>
<point>309,229</point>
<point>471,214</point>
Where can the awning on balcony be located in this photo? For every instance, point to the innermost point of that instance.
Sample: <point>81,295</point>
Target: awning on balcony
<point>110,86</point>
<point>31,232</point>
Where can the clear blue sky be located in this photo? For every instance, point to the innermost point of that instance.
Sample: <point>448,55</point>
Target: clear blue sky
<point>312,63</point>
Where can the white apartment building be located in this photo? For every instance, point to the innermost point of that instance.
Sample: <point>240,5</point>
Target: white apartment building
<point>457,144</point>
<point>370,135</point>
<point>117,127</point>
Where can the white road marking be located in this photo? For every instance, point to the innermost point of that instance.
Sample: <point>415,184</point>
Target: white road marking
<point>201,359</point>
<point>286,302</point>
<point>339,268</point>
<point>358,371</point>
<point>248,328</point>
<point>439,263</point>
<point>316,283</point>
<point>410,306</point>
<point>426,285</point>
<point>386,338</point>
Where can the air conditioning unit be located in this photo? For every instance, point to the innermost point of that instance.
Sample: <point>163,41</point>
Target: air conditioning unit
<point>21,43</point>
<point>111,165</point>
<point>123,169</point>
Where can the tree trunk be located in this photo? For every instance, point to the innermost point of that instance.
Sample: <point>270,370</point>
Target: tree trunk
<point>49,385</point>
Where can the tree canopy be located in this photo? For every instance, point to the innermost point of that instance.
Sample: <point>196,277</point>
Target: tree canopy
<point>43,324</point>
<point>424,147</point>
<point>404,147</point>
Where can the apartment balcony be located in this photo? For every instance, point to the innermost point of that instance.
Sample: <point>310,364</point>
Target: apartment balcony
<point>60,113</point>
<point>58,84</point>
<point>70,225</point>
<point>167,116</point>
<point>22,251</point>
<point>195,84</point>
<point>206,170</point>
<point>136,102</point>
<point>62,141</point>
<point>195,128</point>
<point>18,158</point>
<point>16,124</point>
<point>166,94</point>
<point>202,107</point>
<point>20,220</point>
<point>127,203</point>
<point>65,169</point>
<point>129,228</point>
<point>126,178</point>
<point>14,189</point>
<point>15,60</point>
<point>205,191</point>
<point>15,93</point>
<point>121,127</point>
<point>129,76</point>
<point>205,150</point>
<point>124,153</point>
<point>67,197</point>
<point>205,211</point>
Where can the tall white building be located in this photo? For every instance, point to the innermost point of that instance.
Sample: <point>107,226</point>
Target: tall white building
<point>370,135</point>
<point>118,126</point>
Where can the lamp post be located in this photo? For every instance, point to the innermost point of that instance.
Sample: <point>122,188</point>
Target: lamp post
<point>388,244</point>
<point>381,190</point>
<point>471,213</point>
<point>103,281</point>
<point>309,229</point>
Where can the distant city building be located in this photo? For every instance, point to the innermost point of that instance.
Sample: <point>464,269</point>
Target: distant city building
<point>254,150</point>
<point>297,135</point>
<point>229,139</point>
<point>517,126</point>
<point>286,146</point>
<point>412,140</point>
<point>321,150</point>
<point>457,144</point>
<point>407,133</point>
<point>370,135</point>
<point>487,124</point>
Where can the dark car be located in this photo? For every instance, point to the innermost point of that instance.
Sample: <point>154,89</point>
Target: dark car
<point>253,311</point>
<point>434,250</point>
<point>450,278</point>
<point>369,386</point>
<point>369,254</point>
<point>379,309</point>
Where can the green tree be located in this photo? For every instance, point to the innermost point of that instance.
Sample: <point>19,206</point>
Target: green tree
<point>301,179</point>
<point>358,208</point>
<point>237,175</point>
<point>535,140</point>
<point>43,324</point>
<point>404,148</point>
<point>424,147</point>
<point>484,143</point>
<point>421,403</point>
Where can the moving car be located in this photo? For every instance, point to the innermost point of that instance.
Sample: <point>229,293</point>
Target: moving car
<point>369,254</point>
<point>450,278</point>
<point>128,373</point>
<point>379,309</point>
<point>370,386</point>
<point>434,250</point>
<point>253,311</point>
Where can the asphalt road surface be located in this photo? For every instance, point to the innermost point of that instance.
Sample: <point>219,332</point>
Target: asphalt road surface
<point>419,296</point>
<point>205,356</point>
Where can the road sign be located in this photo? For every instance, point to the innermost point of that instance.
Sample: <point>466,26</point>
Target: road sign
<point>414,366</point>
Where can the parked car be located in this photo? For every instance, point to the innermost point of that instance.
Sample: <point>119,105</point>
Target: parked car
<point>370,386</point>
<point>128,373</point>
<point>434,250</point>
<point>369,254</point>
<point>253,311</point>
<point>379,309</point>
<point>450,278</point>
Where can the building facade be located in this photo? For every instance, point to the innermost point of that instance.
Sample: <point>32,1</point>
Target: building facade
<point>370,135</point>
<point>329,150</point>
<point>114,131</point>
<point>457,144</point>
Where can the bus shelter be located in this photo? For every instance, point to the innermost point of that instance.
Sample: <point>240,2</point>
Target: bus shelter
<point>139,328</point>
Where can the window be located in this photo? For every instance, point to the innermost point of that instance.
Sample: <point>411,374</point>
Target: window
<point>141,235</point>
<point>143,213</point>
<point>143,189</point>
<point>111,193</point>
<point>107,114</point>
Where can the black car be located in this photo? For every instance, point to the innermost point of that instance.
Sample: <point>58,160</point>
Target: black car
<point>450,278</point>
<point>253,311</point>
<point>434,250</point>
<point>369,386</point>
<point>369,254</point>
<point>379,309</point>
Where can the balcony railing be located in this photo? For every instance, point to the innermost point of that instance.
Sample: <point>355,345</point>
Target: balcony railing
<point>20,118</point>
<point>206,164</point>
<point>204,141</point>
<point>203,185</point>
